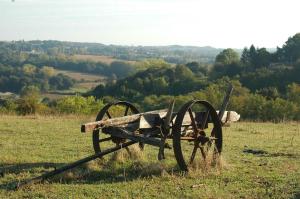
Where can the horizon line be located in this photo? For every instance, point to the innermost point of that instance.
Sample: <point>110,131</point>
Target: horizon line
<point>138,45</point>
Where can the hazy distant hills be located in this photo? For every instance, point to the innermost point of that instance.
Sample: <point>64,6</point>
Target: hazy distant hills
<point>172,53</point>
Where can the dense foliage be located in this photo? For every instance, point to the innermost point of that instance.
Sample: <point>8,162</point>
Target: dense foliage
<point>14,79</point>
<point>154,81</point>
<point>64,62</point>
<point>266,84</point>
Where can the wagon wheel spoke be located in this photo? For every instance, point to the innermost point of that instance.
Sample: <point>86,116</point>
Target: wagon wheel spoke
<point>196,146</point>
<point>186,154</point>
<point>105,139</point>
<point>126,111</point>
<point>203,152</point>
<point>204,120</point>
<point>108,114</point>
<point>194,125</point>
<point>212,132</point>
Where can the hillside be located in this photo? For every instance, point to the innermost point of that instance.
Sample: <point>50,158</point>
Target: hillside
<point>155,80</point>
<point>267,84</point>
<point>173,54</point>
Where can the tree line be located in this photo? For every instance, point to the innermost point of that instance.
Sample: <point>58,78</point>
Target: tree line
<point>264,82</point>
<point>15,79</point>
<point>12,58</point>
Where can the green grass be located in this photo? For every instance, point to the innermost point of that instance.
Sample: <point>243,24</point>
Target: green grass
<point>30,146</point>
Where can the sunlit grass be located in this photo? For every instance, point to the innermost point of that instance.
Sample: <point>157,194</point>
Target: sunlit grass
<point>30,146</point>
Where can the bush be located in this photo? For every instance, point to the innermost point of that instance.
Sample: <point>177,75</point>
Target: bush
<point>79,105</point>
<point>29,103</point>
<point>9,106</point>
<point>280,110</point>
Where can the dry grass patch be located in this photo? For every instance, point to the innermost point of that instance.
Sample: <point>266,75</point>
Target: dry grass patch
<point>132,152</point>
<point>99,58</point>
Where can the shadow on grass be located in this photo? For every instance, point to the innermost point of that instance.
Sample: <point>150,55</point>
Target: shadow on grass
<point>263,153</point>
<point>296,196</point>
<point>24,167</point>
<point>17,169</point>
<point>83,174</point>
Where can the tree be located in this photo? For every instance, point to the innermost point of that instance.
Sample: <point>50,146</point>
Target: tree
<point>121,69</point>
<point>245,58</point>
<point>182,73</point>
<point>227,63</point>
<point>61,82</point>
<point>47,71</point>
<point>293,93</point>
<point>150,63</point>
<point>160,85</point>
<point>269,92</point>
<point>256,57</point>
<point>29,69</point>
<point>29,103</point>
<point>290,51</point>
<point>198,69</point>
<point>227,56</point>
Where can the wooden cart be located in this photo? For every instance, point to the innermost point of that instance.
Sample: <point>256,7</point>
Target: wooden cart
<point>120,124</point>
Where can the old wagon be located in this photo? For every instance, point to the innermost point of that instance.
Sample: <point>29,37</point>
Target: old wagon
<point>195,128</point>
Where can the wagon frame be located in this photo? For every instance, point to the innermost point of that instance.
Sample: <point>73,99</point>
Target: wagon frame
<point>189,124</point>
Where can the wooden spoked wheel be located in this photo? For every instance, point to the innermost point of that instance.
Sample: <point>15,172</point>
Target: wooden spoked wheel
<point>193,136</point>
<point>111,110</point>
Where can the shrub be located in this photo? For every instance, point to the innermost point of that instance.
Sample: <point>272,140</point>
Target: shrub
<point>79,105</point>
<point>280,110</point>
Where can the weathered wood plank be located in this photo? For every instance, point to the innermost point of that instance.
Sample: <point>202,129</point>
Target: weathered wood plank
<point>119,120</point>
<point>225,101</point>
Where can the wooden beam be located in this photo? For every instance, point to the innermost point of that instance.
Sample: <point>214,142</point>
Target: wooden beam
<point>225,101</point>
<point>119,120</point>
<point>150,120</point>
<point>122,133</point>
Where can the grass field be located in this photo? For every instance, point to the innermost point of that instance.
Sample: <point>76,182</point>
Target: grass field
<point>32,145</point>
<point>98,58</point>
<point>81,76</point>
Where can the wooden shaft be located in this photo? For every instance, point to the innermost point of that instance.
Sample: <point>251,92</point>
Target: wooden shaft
<point>71,165</point>
<point>225,101</point>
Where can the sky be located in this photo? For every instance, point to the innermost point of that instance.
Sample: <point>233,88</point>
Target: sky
<point>217,23</point>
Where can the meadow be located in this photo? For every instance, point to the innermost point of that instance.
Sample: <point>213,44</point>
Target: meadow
<point>259,160</point>
<point>98,58</point>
